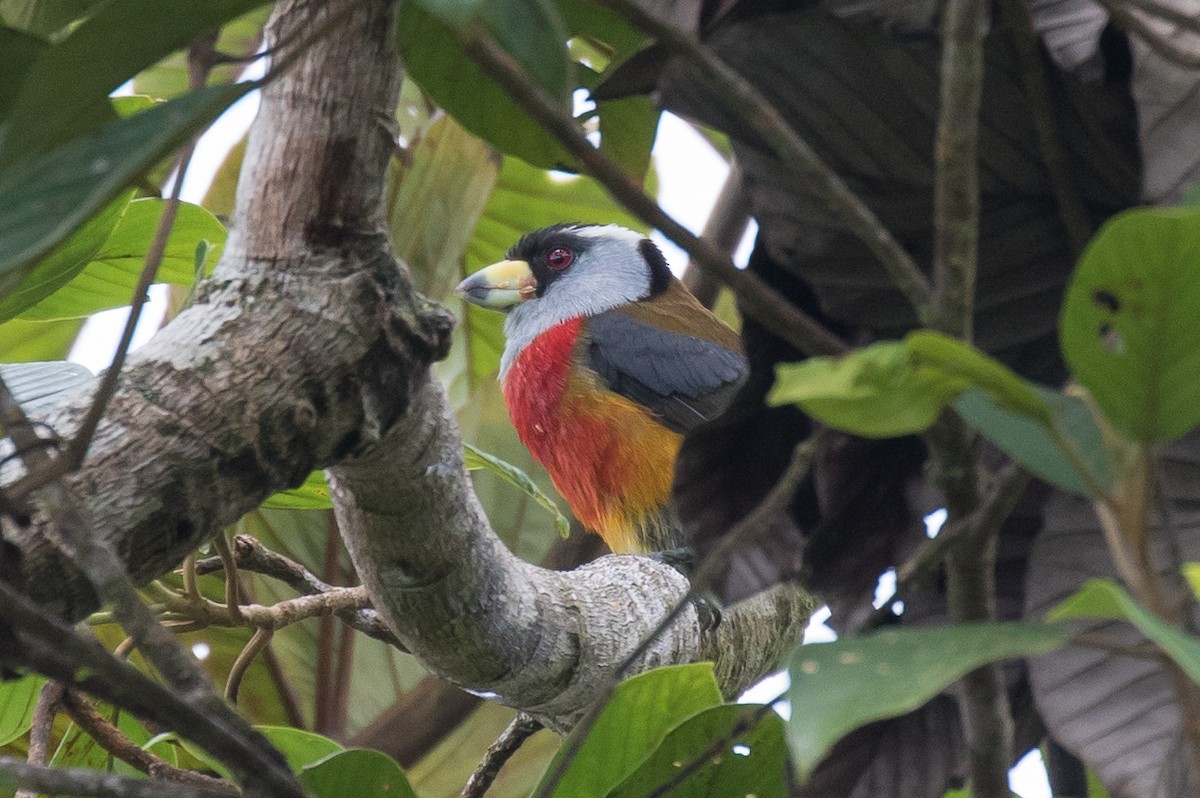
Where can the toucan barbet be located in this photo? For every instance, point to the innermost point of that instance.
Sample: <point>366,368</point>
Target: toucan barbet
<point>609,360</point>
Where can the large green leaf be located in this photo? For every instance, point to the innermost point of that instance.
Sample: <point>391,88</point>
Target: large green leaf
<point>41,17</point>
<point>17,700</point>
<point>751,759</point>
<point>876,392</point>
<point>529,30</point>
<point>848,683</point>
<point>108,280</point>
<point>44,200</point>
<point>357,773</point>
<point>22,341</point>
<point>18,52</point>
<point>435,201</point>
<point>65,92</point>
<point>1128,326</point>
<point>1103,598</point>
<point>62,263</point>
<point>635,721</point>
<point>1038,447</point>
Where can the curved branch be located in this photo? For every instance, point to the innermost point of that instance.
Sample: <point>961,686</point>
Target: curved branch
<point>310,347</point>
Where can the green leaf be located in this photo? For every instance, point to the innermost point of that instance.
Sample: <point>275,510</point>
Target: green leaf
<point>65,261</point>
<point>45,200</point>
<point>18,52</point>
<point>109,278</point>
<point>23,341</point>
<point>514,476</point>
<point>846,684</point>
<point>627,130</point>
<point>531,31</point>
<point>358,772</point>
<point>1191,572</point>
<point>301,748</point>
<point>435,202</point>
<point>1033,446</point>
<point>876,392</point>
<point>635,721</point>
<point>1103,598</point>
<point>65,92</point>
<point>312,495</point>
<point>959,360</point>
<point>18,697</point>
<point>239,38</point>
<point>751,760</point>
<point>42,17</point>
<point>1128,327</point>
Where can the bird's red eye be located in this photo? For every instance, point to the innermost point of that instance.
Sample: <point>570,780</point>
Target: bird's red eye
<point>559,258</point>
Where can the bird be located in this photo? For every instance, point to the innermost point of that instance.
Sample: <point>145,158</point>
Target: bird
<point>608,362</point>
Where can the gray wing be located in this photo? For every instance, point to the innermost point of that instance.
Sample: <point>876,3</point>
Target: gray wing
<point>684,380</point>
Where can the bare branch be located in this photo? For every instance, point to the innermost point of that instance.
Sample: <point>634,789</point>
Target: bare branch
<point>521,729</point>
<point>49,700</point>
<point>111,739</point>
<point>77,781</point>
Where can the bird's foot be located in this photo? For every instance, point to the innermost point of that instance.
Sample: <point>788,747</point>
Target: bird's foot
<point>708,606</point>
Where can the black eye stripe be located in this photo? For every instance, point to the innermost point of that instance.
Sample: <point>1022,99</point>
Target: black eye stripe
<point>535,248</point>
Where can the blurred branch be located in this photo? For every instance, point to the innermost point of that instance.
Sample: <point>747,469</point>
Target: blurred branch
<point>48,702</point>
<point>77,781</point>
<point>755,297</point>
<point>742,99</point>
<point>49,646</point>
<point>971,565</point>
<point>112,740</point>
<point>725,227</point>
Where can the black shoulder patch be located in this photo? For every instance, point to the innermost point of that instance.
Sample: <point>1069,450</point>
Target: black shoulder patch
<point>660,272</point>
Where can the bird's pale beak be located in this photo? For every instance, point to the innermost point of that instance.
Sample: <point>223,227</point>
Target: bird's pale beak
<point>501,286</point>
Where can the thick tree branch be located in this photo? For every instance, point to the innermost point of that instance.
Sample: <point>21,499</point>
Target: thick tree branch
<point>309,347</point>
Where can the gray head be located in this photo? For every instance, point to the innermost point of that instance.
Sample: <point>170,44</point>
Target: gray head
<point>562,272</point>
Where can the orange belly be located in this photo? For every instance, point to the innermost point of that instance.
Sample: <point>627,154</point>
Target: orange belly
<point>608,457</point>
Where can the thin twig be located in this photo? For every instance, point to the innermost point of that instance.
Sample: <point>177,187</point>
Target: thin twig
<point>78,781</point>
<point>742,534</point>
<point>233,590</point>
<point>756,298</point>
<point>114,741</point>
<point>49,700</point>
<point>257,643</point>
<point>510,740</point>
<point>725,227</point>
<point>77,449</point>
<point>251,555</point>
<point>51,647</point>
<point>743,100</point>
